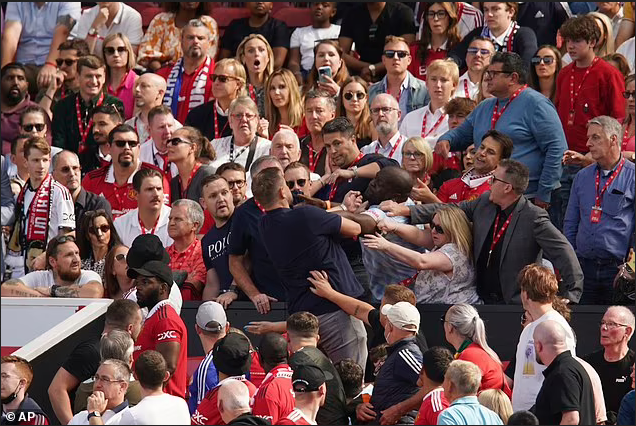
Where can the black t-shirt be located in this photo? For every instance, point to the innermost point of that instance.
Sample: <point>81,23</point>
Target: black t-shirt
<point>202,118</point>
<point>275,31</point>
<point>615,377</point>
<point>302,240</point>
<point>246,239</point>
<point>319,159</point>
<point>214,248</point>
<point>83,362</point>
<point>566,387</point>
<point>334,411</point>
<point>395,19</point>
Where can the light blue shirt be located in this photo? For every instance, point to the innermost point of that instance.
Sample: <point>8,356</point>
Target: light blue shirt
<point>38,27</point>
<point>468,411</point>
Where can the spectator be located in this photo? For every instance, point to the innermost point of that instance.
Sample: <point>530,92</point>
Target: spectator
<point>435,362</point>
<point>628,144</point>
<point>502,28</point>
<point>468,17</point>
<point>148,93</point>
<point>303,40</point>
<point>544,18</point>
<point>478,55</point>
<point>566,393</point>
<point>234,174</point>
<point>244,145</point>
<point>29,238</point>
<point>627,50</point>
<point>105,119</point>
<point>353,105</point>
<point>187,149</point>
<point>191,73</point>
<point>151,215</point>
<point>626,28</point>
<point>605,44</point>
<point>96,237</point>
<point>497,401</point>
<point>619,62</point>
<point>17,375</point>
<point>298,178</point>
<point>539,146</point>
<point>115,182</point>
<point>156,407</point>
<point>261,23</point>
<point>234,404</point>
<point>120,78</point>
<point>369,34</point>
<point>351,375</point>
<point>282,102</point>
<point>614,11</point>
<point>386,114</point>
<point>274,399</point>
<point>117,284</point>
<point>19,173</point>
<point>319,108</point>
<point>7,210</point>
<point>600,410</point>
<point>439,33</point>
<point>483,92</point>
<point>32,36</point>
<point>539,289</point>
<point>71,130</point>
<point>417,159</point>
<point>310,390</point>
<point>107,402</point>
<point>327,53</point>
<point>161,125</point>
<point>523,417</point>
<point>615,361</point>
<point>35,122</point>
<point>211,326</point>
<point>546,66</point>
<point>232,361</point>
<point>161,45</point>
<point>625,415</point>
<point>255,54</point>
<point>285,147</point>
<point>228,83</point>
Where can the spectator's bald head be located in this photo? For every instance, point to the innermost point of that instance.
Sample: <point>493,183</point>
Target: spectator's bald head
<point>549,341</point>
<point>149,91</point>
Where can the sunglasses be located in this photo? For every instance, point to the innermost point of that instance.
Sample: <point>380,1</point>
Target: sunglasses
<point>548,60</point>
<point>111,50</point>
<point>436,228</point>
<point>238,183</point>
<point>37,126</point>
<point>222,78</point>
<point>476,50</point>
<point>122,144</point>
<point>177,141</point>
<point>121,257</point>
<point>67,62</point>
<point>628,95</point>
<point>359,95</point>
<point>391,54</point>
<point>64,239</point>
<point>299,182</point>
<point>103,228</point>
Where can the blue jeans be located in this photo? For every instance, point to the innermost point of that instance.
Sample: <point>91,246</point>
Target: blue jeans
<point>561,196</point>
<point>599,279</point>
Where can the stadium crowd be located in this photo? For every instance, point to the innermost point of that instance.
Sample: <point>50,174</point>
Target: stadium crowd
<point>356,161</point>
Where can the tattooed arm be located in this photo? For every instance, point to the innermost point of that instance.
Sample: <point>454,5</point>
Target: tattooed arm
<point>93,289</point>
<point>16,288</point>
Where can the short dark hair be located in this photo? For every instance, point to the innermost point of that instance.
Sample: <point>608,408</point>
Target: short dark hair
<point>14,142</point>
<point>33,109</point>
<point>315,94</point>
<point>435,362</point>
<point>121,313</point>
<point>512,63</point>
<point>481,38</point>
<point>113,111</point>
<point>150,369</point>
<point>340,125</point>
<point>75,44</point>
<point>302,324</point>
<point>523,417</point>
<point>581,28</point>
<point>209,179</point>
<point>266,184</point>
<point>503,140</point>
<point>89,61</point>
<point>53,246</point>
<point>230,165</point>
<point>158,110</point>
<point>121,128</point>
<point>272,349</point>
<point>351,375</point>
<point>143,174</point>
<point>12,66</point>
<point>517,174</point>
<point>460,106</point>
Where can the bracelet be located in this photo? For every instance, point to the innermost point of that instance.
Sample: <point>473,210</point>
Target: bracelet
<point>53,64</point>
<point>343,207</point>
<point>328,202</point>
<point>46,95</point>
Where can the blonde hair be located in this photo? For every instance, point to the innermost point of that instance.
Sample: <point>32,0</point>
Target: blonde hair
<point>395,39</point>
<point>497,401</point>
<point>294,107</point>
<point>446,66</point>
<point>240,53</point>
<point>130,64</point>
<point>364,126</point>
<point>607,47</point>
<point>424,147</point>
<point>455,224</point>
<point>239,72</point>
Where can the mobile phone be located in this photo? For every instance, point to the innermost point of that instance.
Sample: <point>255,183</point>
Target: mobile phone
<point>322,72</point>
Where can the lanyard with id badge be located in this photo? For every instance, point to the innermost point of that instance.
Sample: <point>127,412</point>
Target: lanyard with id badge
<point>597,210</point>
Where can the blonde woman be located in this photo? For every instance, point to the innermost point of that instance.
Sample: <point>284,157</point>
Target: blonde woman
<point>497,401</point>
<point>328,53</point>
<point>282,102</point>
<point>353,103</point>
<point>446,273</point>
<point>120,78</point>
<point>257,57</point>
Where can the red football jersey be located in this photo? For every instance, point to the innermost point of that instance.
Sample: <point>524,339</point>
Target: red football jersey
<point>257,374</point>
<point>207,412</point>
<point>456,190</point>
<point>275,397</point>
<point>164,325</point>
<point>296,417</point>
<point>433,404</point>
<point>122,198</point>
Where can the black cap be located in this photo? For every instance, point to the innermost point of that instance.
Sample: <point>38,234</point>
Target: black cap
<point>144,248</point>
<point>154,268</point>
<point>231,355</point>
<point>308,378</point>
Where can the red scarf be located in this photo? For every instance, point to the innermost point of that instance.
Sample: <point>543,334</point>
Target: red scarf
<point>195,95</point>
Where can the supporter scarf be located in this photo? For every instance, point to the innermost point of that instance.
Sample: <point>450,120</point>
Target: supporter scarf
<point>508,39</point>
<point>473,180</point>
<point>196,93</point>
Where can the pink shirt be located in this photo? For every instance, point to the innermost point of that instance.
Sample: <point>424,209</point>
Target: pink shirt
<point>628,144</point>
<point>125,93</point>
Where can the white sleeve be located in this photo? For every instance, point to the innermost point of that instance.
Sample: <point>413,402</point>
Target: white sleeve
<point>126,418</point>
<point>88,276</point>
<point>133,25</point>
<point>84,24</point>
<point>63,209</point>
<point>294,41</point>
<point>37,279</point>
<point>76,418</point>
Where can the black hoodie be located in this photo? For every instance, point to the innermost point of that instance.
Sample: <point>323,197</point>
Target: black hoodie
<point>249,419</point>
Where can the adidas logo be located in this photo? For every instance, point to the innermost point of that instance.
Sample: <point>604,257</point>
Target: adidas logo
<point>453,197</point>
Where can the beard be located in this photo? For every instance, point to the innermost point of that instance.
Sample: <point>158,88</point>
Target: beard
<point>69,274</point>
<point>11,99</point>
<point>150,301</point>
<point>195,53</point>
<point>384,129</point>
<point>126,163</point>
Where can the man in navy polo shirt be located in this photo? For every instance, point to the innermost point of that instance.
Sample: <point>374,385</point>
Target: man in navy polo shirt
<point>307,239</point>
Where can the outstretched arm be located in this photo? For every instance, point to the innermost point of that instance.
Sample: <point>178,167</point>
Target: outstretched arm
<point>419,261</point>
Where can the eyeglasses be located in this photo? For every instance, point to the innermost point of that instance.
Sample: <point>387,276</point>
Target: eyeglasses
<point>248,115</point>
<point>67,62</point>
<point>122,144</point>
<point>103,228</point>
<point>628,95</point>
<point>440,14</point>
<point>177,141</point>
<point>299,182</point>
<point>436,228</point>
<point>548,60</point>
<point>37,126</point>
<point>359,95</point>
<point>391,54</point>
<point>121,257</point>
<point>105,379</point>
<point>416,155</point>
<point>383,110</point>
<point>492,73</point>
<point>476,50</point>
<point>611,325</point>
<point>494,179</point>
<point>238,183</point>
<point>222,78</point>
<point>111,50</point>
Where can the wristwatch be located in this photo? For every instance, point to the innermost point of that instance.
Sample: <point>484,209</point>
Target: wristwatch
<point>372,69</point>
<point>354,169</point>
<point>92,32</point>
<point>94,414</point>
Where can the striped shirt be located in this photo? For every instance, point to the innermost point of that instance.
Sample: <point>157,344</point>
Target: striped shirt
<point>205,378</point>
<point>432,405</point>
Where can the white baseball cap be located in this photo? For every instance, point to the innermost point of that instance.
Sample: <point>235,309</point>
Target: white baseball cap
<point>208,312</point>
<point>402,315</point>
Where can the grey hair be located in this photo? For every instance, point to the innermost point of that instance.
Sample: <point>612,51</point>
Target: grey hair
<point>56,158</point>
<point>245,101</point>
<point>117,344</point>
<point>196,23</point>
<point>257,165</point>
<point>315,93</point>
<point>466,320</point>
<point>122,370</point>
<point>289,133</point>
<point>610,125</point>
<point>194,211</point>
<point>235,396</point>
<point>465,377</point>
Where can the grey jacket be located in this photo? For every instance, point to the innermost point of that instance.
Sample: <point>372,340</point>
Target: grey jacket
<point>529,237</point>
<point>418,96</point>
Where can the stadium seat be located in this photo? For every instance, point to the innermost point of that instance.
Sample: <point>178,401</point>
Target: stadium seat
<point>148,14</point>
<point>224,15</point>
<point>294,17</point>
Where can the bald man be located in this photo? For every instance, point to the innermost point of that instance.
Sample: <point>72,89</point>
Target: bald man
<point>386,114</point>
<point>148,92</point>
<point>566,396</point>
<point>234,404</point>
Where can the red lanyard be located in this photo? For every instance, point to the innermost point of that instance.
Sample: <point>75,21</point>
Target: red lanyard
<point>184,188</point>
<point>574,94</point>
<point>313,164</point>
<point>496,236</point>
<point>466,92</point>
<point>143,228</point>
<point>334,186</point>
<point>496,114</point>
<point>63,93</point>
<point>260,207</point>
<point>599,196</point>
<point>217,133</point>
<point>80,123</point>
<point>435,126</point>
<point>184,257</point>
<point>250,89</point>
<point>399,141</point>
<point>511,37</point>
